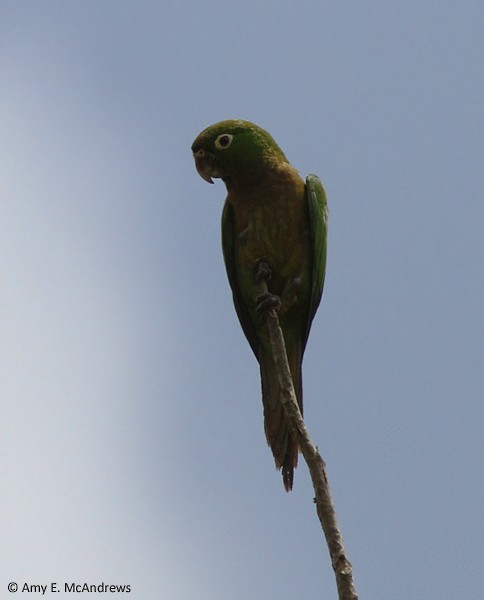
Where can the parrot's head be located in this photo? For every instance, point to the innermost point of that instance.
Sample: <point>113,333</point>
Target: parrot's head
<point>235,150</point>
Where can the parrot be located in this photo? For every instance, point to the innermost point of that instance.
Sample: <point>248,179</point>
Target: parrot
<point>272,216</point>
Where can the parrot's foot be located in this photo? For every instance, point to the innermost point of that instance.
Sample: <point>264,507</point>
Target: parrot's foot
<point>290,295</point>
<point>262,270</point>
<point>267,302</point>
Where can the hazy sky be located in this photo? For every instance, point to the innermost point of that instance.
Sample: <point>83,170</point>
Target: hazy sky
<point>131,438</point>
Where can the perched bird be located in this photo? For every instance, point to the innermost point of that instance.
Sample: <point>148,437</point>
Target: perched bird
<point>270,215</point>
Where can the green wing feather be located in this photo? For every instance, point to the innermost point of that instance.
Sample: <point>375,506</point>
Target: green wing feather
<point>318,221</point>
<point>228,245</point>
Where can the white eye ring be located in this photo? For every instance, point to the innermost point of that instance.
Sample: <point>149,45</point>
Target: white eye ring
<point>223,141</point>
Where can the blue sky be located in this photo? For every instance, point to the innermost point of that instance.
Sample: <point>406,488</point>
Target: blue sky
<point>132,437</point>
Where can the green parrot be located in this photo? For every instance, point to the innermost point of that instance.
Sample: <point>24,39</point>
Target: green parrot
<point>271,215</point>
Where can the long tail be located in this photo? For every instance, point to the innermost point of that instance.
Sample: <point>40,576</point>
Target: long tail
<point>283,446</point>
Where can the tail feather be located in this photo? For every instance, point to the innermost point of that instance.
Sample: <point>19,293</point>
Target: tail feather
<point>283,446</point>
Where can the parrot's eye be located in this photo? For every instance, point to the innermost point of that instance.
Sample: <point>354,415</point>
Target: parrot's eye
<point>223,141</point>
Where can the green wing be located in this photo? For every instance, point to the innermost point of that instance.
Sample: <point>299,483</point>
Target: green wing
<point>228,244</point>
<point>318,221</point>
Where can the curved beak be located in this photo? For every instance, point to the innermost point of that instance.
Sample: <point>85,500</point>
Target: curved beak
<point>204,162</point>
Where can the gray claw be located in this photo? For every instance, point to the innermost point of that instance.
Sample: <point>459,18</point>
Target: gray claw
<point>267,302</point>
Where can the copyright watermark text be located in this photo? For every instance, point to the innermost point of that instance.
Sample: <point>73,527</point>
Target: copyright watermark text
<point>74,587</point>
